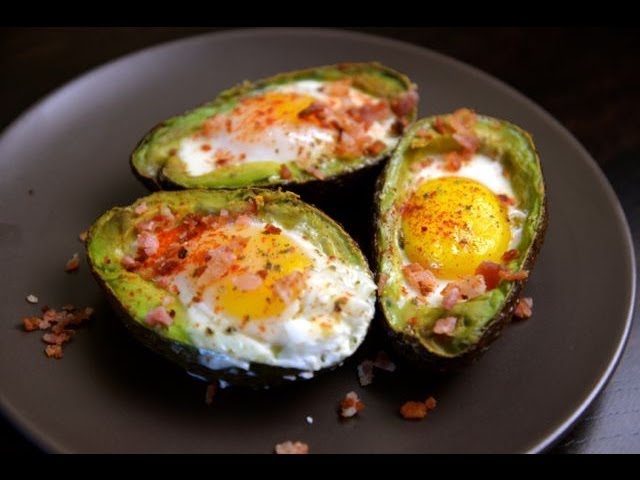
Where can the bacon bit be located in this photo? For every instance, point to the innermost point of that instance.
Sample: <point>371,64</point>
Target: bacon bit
<point>450,296</point>
<point>365,373</point>
<point>350,405</point>
<point>413,410</point>
<point>466,141</point>
<point>431,403</point>
<point>147,226</point>
<point>285,173</point>
<point>286,286</point>
<point>506,199</point>
<point>315,111</point>
<point>383,362</point>
<point>148,243</point>
<point>514,276</point>
<point>141,208</point>
<point>166,214</point>
<point>491,273</point>
<point>397,128</point>
<point>54,351</point>
<point>205,147</point>
<point>510,255</point>
<point>417,410</point>
<point>463,120</point>
<point>376,148</point>
<point>32,298</point>
<point>212,388</point>
<point>524,308</point>
<point>243,220</point>
<point>383,278</point>
<point>452,162</point>
<point>247,282</point>
<point>167,300</point>
<point>83,236</point>
<point>220,260</point>
<point>413,321</point>
<point>57,323</point>
<point>420,278</point>
<point>158,316</point>
<point>315,171</point>
<point>58,338</point>
<point>73,263</point>
<point>465,289</point>
<point>405,103</point>
<point>445,326</point>
<point>33,323</point>
<point>270,229</point>
<point>129,263</point>
<point>289,447</point>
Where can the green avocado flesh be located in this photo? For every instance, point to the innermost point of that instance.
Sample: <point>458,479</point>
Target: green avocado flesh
<point>479,319</point>
<point>135,294</point>
<point>157,163</point>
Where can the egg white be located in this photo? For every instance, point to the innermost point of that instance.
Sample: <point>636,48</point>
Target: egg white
<point>301,342</point>
<point>484,170</point>
<point>278,144</point>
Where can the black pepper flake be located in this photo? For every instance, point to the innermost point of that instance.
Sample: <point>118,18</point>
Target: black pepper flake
<point>172,313</point>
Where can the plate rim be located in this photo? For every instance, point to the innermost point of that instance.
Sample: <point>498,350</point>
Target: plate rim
<point>41,439</point>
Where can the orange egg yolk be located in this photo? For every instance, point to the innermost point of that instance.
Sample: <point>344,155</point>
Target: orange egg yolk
<point>257,253</point>
<point>452,224</point>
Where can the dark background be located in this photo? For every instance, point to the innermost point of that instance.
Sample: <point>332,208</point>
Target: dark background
<point>587,78</point>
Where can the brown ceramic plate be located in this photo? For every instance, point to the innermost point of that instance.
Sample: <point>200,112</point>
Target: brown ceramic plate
<point>109,394</point>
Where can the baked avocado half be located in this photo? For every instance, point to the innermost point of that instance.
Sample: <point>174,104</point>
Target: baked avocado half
<point>247,286</point>
<point>301,127</point>
<point>461,216</point>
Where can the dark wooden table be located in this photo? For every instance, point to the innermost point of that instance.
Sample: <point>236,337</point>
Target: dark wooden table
<point>589,79</point>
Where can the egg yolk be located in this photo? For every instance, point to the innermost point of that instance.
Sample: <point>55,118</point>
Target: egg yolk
<point>258,254</point>
<point>273,107</point>
<point>452,224</point>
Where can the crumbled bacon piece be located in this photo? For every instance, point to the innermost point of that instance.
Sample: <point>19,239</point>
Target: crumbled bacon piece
<point>286,286</point>
<point>148,243</point>
<point>73,263</point>
<point>445,326</point>
<point>285,173</point>
<point>510,255</point>
<point>376,148</point>
<point>417,410</point>
<point>465,289</point>
<point>129,263</point>
<point>405,103</point>
<point>450,296</point>
<point>247,282</point>
<point>57,338</point>
<point>315,111</point>
<point>32,323</point>
<point>212,388</point>
<point>524,308</point>
<point>57,323</point>
<point>350,405</point>
<point>289,447</point>
<point>83,236</point>
<point>220,260</point>
<point>420,278</point>
<point>413,410</point>
<point>452,162</point>
<point>365,373</point>
<point>514,276</point>
<point>506,199</point>
<point>271,229</point>
<point>315,171</point>
<point>491,273</point>
<point>466,141</point>
<point>141,208</point>
<point>54,351</point>
<point>159,316</point>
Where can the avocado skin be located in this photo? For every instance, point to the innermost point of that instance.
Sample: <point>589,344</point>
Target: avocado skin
<point>328,186</point>
<point>408,347</point>
<point>258,376</point>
